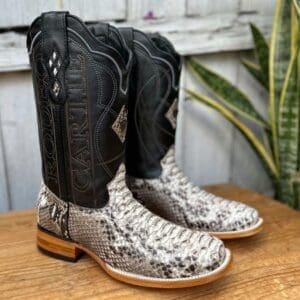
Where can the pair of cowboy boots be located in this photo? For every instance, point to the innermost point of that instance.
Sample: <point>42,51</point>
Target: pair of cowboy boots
<point>107,98</point>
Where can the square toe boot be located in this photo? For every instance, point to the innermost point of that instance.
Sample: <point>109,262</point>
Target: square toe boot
<point>81,79</point>
<point>153,175</point>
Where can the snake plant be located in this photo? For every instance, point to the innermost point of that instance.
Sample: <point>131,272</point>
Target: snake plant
<point>277,68</point>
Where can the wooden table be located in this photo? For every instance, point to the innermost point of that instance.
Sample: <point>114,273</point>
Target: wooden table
<point>266,266</point>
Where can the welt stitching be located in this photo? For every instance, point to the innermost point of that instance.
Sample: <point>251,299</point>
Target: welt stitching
<point>101,118</point>
<point>107,56</point>
<point>136,121</point>
<point>68,132</point>
<point>113,98</point>
<point>78,47</point>
<point>156,71</point>
<point>164,100</point>
<point>49,106</point>
<point>161,60</point>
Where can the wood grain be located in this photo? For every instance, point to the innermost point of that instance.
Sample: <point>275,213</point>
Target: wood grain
<point>266,266</point>
<point>21,13</point>
<point>205,8</point>
<point>20,139</point>
<point>96,10</point>
<point>210,34</point>
<point>137,9</point>
<point>265,7</point>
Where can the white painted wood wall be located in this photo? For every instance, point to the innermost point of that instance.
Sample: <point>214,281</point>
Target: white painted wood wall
<point>209,149</point>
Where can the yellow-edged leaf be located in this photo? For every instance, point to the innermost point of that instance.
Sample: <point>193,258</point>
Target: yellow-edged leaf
<point>226,92</point>
<point>288,129</point>
<point>280,52</point>
<point>261,49</point>
<point>297,6</point>
<point>255,71</point>
<point>247,133</point>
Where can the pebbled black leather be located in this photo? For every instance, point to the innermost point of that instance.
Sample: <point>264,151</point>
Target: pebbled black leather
<point>153,102</point>
<point>81,90</point>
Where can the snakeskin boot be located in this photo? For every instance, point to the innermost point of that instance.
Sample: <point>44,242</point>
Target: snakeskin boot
<point>81,79</point>
<point>153,175</point>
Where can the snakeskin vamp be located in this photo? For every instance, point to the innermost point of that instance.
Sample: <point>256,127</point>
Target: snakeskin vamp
<point>130,238</point>
<point>175,198</point>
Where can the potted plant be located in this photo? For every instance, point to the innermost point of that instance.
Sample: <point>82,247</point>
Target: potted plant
<point>277,68</point>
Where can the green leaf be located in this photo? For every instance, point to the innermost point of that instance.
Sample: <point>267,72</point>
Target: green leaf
<point>297,6</point>
<point>226,92</point>
<point>294,30</point>
<point>285,190</point>
<point>296,191</point>
<point>289,118</point>
<point>246,132</point>
<point>279,59</point>
<point>267,140</point>
<point>288,130</point>
<point>261,50</point>
<point>255,71</point>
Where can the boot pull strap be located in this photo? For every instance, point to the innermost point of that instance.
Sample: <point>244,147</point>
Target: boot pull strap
<point>55,52</point>
<point>127,33</point>
<point>100,30</point>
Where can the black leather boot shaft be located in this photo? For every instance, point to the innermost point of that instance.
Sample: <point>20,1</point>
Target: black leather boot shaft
<point>153,102</point>
<point>81,90</point>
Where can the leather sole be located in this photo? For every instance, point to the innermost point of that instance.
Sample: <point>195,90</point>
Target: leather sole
<point>226,235</point>
<point>71,251</point>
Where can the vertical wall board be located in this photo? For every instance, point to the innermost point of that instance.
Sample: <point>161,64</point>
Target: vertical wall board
<point>91,10</point>
<point>19,129</point>
<point>207,136</point>
<point>4,200</point>
<point>207,7</point>
<point>206,147</point>
<point>180,122</point>
<point>247,168</point>
<point>22,12</point>
<point>137,9</point>
<point>265,7</point>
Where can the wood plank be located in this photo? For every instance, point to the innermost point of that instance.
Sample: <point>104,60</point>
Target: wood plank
<point>189,35</point>
<point>19,129</point>
<point>207,7</point>
<point>21,13</point>
<point>90,10</point>
<point>13,52</point>
<point>266,266</point>
<point>153,9</point>
<point>223,33</point>
<point>265,7</point>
